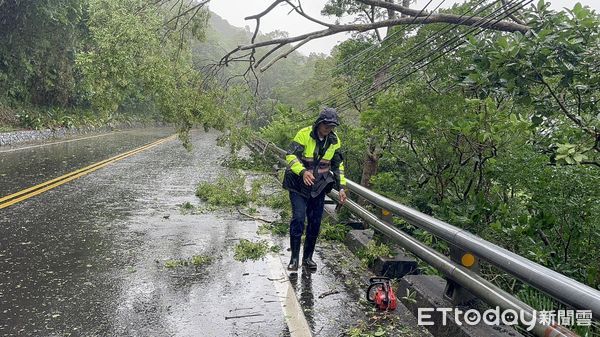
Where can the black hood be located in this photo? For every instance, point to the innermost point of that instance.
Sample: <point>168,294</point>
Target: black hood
<point>328,116</point>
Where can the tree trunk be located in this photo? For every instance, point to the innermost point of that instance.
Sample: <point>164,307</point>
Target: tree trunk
<point>370,167</point>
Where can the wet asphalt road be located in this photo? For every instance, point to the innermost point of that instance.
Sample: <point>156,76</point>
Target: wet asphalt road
<point>31,164</point>
<point>87,258</point>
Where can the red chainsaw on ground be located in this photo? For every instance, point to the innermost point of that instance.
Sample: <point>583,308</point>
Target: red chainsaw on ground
<point>380,293</point>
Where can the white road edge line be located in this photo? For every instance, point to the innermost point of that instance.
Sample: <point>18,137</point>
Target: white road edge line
<point>292,310</point>
<point>61,142</point>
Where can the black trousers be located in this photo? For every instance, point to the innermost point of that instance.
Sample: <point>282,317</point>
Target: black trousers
<point>309,208</point>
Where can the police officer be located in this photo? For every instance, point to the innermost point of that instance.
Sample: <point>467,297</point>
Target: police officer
<point>315,166</point>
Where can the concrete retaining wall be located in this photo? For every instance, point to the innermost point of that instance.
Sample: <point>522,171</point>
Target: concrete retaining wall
<point>28,136</point>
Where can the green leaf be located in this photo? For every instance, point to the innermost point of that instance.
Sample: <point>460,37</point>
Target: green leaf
<point>578,157</point>
<point>541,5</point>
<point>579,11</point>
<point>379,333</point>
<point>561,156</point>
<point>503,42</point>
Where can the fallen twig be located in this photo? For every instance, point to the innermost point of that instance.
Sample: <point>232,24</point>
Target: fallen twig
<point>242,316</point>
<point>236,309</point>
<point>332,292</point>
<point>275,296</point>
<point>255,217</point>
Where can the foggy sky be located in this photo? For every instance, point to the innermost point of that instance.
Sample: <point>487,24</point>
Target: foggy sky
<point>234,12</point>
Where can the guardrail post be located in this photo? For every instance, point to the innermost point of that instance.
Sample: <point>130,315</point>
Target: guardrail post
<point>454,292</point>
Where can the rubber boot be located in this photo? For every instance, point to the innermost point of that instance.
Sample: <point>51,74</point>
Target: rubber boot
<point>309,248</point>
<point>295,247</point>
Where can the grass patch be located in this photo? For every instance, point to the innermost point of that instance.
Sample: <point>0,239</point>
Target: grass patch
<point>254,163</point>
<point>187,205</point>
<point>252,210</point>
<point>248,250</point>
<point>174,263</point>
<point>196,261</point>
<point>335,232</point>
<point>279,200</point>
<point>226,191</point>
<point>278,228</point>
<point>5,128</point>
<point>200,260</point>
<point>255,189</point>
<point>229,190</point>
<point>369,254</point>
<point>187,208</point>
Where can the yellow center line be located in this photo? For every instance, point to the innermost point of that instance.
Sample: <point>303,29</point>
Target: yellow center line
<point>71,173</point>
<point>43,187</point>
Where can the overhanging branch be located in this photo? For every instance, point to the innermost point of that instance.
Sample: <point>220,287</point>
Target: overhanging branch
<point>505,26</point>
<point>409,17</point>
<point>335,29</point>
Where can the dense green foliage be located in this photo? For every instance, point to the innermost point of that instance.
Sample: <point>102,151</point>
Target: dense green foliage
<point>248,250</point>
<point>226,191</point>
<point>555,73</point>
<point>499,137</point>
<point>37,52</point>
<point>66,63</point>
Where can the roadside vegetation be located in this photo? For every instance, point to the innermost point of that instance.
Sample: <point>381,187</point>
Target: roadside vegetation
<point>500,139</point>
<point>372,251</point>
<point>97,63</point>
<point>228,190</point>
<point>333,231</point>
<point>248,250</point>
<point>187,208</point>
<point>81,63</point>
<point>195,261</point>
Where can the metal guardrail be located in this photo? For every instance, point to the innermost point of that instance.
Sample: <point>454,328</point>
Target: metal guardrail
<point>468,279</point>
<point>558,286</point>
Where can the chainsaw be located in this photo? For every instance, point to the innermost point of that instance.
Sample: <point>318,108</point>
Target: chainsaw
<point>380,293</point>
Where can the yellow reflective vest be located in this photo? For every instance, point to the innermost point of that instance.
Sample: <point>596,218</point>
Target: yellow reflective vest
<point>322,157</point>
